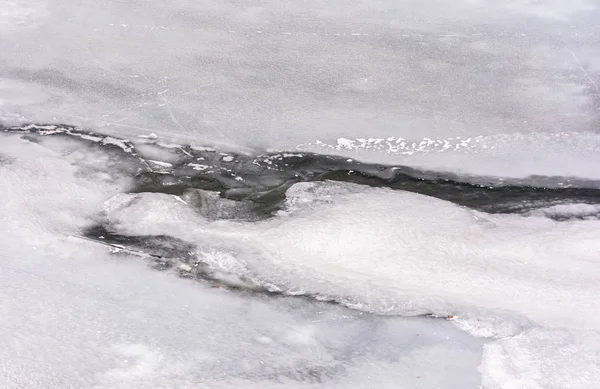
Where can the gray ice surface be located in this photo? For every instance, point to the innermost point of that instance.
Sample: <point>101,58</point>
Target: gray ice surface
<point>516,79</point>
<point>281,73</point>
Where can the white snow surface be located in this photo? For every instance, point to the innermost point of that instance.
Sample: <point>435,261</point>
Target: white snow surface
<point>286,74</point>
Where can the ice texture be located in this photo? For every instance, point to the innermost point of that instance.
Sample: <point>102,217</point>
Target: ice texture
<point>494,88</point>
<point>529,283</point>
<point>390,251</point>
<point>280,74</point>
<point>74,316</point>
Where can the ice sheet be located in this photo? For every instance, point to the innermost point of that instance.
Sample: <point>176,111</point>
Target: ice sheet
<point>515,155</point>
<point>396,252</point>
<point>504,88</point>
<point>74,316</point>
<point>281,74</point>
<point>530,282</point>
<point>543,359</point>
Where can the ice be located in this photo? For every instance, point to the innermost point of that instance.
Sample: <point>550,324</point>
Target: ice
<point>515,155</point>
<point>503,277</point>
<point>478,87</point>
<point>397,252</point>
<point>74,316</point>
<point>543,359</point>
<point>567,211</point>
<point>282,74</point>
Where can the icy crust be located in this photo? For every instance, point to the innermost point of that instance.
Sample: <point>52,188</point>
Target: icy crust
<point>437,252</point>
<point>569,211</point>
<point>531,283</point>
<point>75,316</point>
<point>543,359</point>
<point>394,252</point>
<point>553,160</point>
<point>263,178</point>
<point>395,68</point>
<point>514,155</point>
<point>74,132</point>
<point>479,143</point>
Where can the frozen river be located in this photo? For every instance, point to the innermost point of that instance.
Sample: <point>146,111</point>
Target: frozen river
<point>299,194</point>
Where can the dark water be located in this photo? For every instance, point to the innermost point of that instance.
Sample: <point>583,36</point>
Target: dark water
<point>228,185</point>
<point>261,180</point>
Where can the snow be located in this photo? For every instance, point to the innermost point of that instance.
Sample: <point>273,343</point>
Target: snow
<point>420,255</point>
<point>523,287</point>
<point>197,166</point>
<point>161,164</point>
